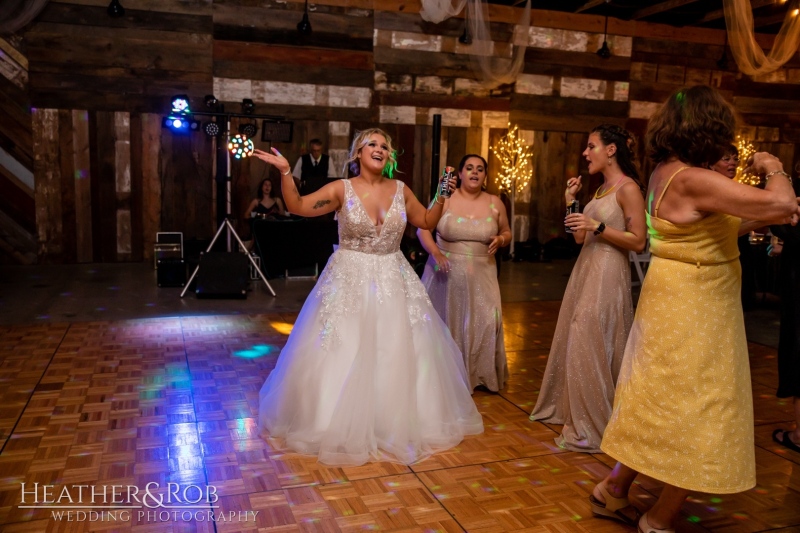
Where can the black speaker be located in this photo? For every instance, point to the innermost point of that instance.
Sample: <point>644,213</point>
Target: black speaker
<point>170,272</point>
<point>222,275</point>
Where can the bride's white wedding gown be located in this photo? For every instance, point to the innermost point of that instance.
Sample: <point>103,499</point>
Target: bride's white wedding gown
<point>370,371</point>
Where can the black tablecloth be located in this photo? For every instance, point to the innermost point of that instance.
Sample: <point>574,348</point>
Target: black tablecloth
<point>294,243</point>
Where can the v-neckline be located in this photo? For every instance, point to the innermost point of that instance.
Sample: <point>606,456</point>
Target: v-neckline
<point>364,209</point>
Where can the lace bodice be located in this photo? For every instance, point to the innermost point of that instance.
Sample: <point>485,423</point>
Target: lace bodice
<point>357,232</point>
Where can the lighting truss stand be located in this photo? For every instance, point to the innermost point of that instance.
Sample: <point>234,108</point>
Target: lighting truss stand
<point>227,224</point>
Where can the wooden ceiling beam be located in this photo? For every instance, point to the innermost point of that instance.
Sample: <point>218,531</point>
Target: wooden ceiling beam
<point>589,5</point>
<point>720,13</point>
<point>660,8</point>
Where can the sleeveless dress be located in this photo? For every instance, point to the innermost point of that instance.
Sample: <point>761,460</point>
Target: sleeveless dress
<point>264,212</point>
<point>589,342</point>
<point>683,413</point>
<point>468,297</point>
<point>369,370</point>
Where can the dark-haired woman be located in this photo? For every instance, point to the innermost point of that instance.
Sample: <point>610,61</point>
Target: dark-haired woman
<point>683,411</point>
<point>597,311</point>
<point>266,202</point>
<point>461,274</point>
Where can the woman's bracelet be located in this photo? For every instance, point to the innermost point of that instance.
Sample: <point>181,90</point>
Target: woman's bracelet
<point>770,174</point>
<point>504,240</point>
<point>437,200</point>
<point>286,173</point>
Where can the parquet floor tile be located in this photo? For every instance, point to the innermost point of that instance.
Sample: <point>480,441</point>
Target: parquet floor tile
<point>175,401</point>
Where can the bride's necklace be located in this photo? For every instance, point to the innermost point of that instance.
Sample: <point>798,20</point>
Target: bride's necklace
<point>597,194</point>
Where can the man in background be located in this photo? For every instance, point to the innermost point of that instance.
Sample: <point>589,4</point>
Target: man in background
<point>314,169</point>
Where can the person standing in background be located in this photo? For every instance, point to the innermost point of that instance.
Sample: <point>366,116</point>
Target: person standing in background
<point>314,169</point>
<point>789,343</point>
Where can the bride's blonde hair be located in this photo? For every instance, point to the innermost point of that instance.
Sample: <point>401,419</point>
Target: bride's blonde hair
<point>360,141</point>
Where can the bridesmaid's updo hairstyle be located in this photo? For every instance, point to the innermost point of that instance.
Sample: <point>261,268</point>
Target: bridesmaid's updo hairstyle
<point>696,125</point>
<point>626,149</point>
<point>352,167</point>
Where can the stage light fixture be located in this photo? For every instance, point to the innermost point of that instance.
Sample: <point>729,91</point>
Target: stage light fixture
<point>240,147</point>
<point>180,124</point>
<point>212,129</point>
<point>466,36</point>
<point>249,130</point>
<point>304,26</point>
<point>211,101</point>
<point>248,107</point>
<point>180,104</point>
<point>115,9</point>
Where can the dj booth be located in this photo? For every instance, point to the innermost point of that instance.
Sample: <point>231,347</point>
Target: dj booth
<point>290,243</point>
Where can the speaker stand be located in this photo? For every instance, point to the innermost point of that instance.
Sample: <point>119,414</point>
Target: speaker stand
<point>227,224</point>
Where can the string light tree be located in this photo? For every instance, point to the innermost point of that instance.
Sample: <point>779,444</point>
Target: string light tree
<point>515,169</point>
<point>746,149</point>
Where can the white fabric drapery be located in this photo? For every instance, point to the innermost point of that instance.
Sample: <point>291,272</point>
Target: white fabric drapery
<point>16,14</point>
<point>490,68</point>
<point>748,54</point>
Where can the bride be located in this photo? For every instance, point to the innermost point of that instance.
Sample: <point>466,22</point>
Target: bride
<point>370,371</point>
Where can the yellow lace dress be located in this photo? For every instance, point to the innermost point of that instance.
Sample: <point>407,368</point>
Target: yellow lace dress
<point>683,410</point>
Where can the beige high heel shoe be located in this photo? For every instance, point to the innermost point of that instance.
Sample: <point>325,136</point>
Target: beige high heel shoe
<point>645,527</point>
<point>612,507</point>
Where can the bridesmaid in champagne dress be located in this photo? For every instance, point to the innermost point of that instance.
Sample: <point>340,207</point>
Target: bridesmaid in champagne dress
<point>461,274</point>
<point>597,311</point>
<point>683,411</point>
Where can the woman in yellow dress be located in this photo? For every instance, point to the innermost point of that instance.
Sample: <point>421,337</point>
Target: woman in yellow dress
<point>683,410</point>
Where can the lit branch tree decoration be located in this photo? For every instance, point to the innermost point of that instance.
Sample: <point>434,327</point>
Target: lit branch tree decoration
<point>746,149</point>
<point>515,174</point>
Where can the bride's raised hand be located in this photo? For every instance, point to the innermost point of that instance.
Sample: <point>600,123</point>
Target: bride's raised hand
<point>275,159</point>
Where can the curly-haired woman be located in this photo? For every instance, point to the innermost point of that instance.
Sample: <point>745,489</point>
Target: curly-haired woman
<point>683,410</point>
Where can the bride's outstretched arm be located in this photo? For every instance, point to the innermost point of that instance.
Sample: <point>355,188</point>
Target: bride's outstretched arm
<point>327,199</point>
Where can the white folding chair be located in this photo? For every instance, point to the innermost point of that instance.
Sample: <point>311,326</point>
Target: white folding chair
<point>640,262</point>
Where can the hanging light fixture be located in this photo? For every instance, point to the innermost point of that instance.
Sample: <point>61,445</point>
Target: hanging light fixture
<point>248,106</point>
<point>722,62</point>
<point>115,9</point>
<point>604,51</point>
<point>304,26</point>
<point>466,37</point>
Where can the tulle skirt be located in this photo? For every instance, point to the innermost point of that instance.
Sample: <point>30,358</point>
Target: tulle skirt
<point>370,371</point>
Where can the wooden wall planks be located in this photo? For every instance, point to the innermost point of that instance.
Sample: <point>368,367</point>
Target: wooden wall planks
<point>366,63</point>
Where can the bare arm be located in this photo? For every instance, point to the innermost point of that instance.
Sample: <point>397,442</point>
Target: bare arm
<point>281,208</point>
<point>250,208</point>
<point>426,239</point>
<point>705,190</point>
<point>751,225</point>
<point>419,216</point>
<point>328,198</point>
<point>634,236</point>
<point>574,185</point>
<point>503,237</point>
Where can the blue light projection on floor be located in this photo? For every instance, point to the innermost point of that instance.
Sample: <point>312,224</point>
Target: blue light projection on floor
<point>256,351</point>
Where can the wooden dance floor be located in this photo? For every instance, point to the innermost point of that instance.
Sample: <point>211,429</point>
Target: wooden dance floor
<point>175,400</point>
